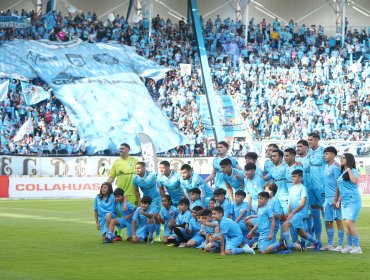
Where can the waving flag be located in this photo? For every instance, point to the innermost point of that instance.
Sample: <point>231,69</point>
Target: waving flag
<point>33,94</point>
<point>26,128</point>
<point>4,87</point>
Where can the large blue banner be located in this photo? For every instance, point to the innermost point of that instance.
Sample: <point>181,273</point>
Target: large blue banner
<point>101,89</point>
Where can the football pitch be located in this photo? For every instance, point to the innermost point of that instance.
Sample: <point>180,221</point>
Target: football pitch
<point>57,239</point>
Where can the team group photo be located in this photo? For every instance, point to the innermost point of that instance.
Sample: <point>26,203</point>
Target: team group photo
<point>184,139</point>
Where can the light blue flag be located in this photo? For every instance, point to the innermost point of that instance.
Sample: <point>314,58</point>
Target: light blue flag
<point>101,88</point>
<point>33,94</point>
<point>4,87</point>
<point>49,20</point>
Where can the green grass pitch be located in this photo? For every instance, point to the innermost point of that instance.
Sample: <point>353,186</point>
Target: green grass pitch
<point>57,239</point>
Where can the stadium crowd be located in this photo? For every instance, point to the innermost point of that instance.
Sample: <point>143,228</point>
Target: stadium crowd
<point>289,80</point>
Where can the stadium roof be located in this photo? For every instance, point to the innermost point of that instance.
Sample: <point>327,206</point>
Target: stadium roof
<point>301,11</point>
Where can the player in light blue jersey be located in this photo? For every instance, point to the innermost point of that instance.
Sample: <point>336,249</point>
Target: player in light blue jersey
<point>181,236</point>
<point>289,158</point>
<point>251,157</point>
<point>168,213</point>
<point>143,224</point>
<point>104,208</point>
<point>303,159</point>
<point>240,210</point>
<point>194,195</point>
<point>127,211</point>
<point>316,195</point>
<point>147,182</point>
<point>169,180</point>
<point>348,198</point>
<point>253,186</point>
<point>220,197</point>
<point>190,180</point>
<point>222,149</point>
<point>297,212</point>
<point>268,163</point>
<point>230,236</point>
<point>193,228</point>
<point>275,206</point>
<point>208,228</point>
<point>331,213</point>
<point>277,175</point>
<point>265,225</point>
<point>234,178</point>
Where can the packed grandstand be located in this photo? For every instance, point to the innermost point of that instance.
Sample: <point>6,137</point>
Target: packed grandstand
<point>287,80</point>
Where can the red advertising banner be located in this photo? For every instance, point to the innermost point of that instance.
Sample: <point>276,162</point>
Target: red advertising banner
<point>4,186</point>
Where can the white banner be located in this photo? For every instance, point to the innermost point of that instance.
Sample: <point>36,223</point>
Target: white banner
<point>54,187</point>
<point>81,166</point>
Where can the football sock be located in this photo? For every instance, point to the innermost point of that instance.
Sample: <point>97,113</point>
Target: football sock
<point>317,227</point>
<point>294,234</point>
<point>286,236</point>
<point>349,240</point>
<point>311,239</point>
<point>157,229</point>
<point>330,232</point>
<point>151,228</point>
<point>340,237</point>
<point>356,241</point>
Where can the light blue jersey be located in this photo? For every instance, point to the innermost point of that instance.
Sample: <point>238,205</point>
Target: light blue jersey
<point>288,174</point>
<point>305,161</point>
<point>197,202</point>
<point>259,171</point>
<point>194,226</point>
<point>183,218</point>
<point>267,166</point>
<point>140,219</point>
<point>148,185</point>
<point>130,209</point>
<point>227,206</point>
<point>219,180</point>
<point>317,185</point>
<point>264,224</point>
<point>209,229</point>
<point>237,210</point>
<point>296,195</point>
<point>196,182</point>
<point>317,166</point>
<point>332,172</point>
<point>276,208</point>
<point>351,200</point>
<point>105,205</point>
<point>172,185</point>
<point>166,215</point>
<point>253,187</point>
<point>277,175</point>
<point>235,180</point>
<point>348,191</point>
<point>232,233</point>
